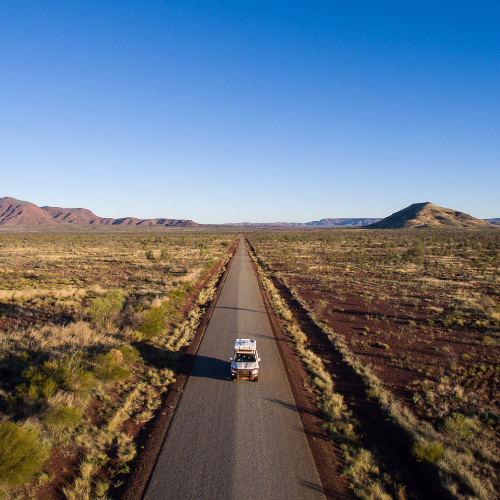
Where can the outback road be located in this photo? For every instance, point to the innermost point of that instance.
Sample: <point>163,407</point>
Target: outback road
<point>236,440</point>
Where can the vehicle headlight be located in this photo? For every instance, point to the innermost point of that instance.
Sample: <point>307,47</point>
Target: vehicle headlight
<point>255,371</point>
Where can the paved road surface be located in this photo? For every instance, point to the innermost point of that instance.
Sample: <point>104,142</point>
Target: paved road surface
<point>236,440</point>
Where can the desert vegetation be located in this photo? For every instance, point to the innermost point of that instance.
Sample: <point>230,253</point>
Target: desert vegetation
<point>366,473</point>
<point>91,328</point>
<point>416,314</point>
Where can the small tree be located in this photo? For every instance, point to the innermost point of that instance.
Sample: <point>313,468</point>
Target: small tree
<point>154,322</point>
<point>21,454</point>
<point>102,307</point>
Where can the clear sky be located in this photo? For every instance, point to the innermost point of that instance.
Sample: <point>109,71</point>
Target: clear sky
<point>232,111</point>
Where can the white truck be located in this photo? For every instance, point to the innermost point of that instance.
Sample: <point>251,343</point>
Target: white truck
<point>245,360</point>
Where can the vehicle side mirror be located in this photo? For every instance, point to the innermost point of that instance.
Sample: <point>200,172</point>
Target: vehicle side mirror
<point>230,359</point>
<point>258,359</point>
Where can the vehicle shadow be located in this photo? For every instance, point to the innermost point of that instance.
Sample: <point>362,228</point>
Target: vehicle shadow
<point>213,368</point>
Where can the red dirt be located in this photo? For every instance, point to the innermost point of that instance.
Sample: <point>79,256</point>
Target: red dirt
<point>326,454</point>
<point>425,347</point>
<point>63,465</point>
<point>380,434</point>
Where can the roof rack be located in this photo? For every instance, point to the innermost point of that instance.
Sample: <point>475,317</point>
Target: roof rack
<point>247,344</point>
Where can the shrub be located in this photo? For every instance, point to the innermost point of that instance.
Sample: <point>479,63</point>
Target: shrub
<point>102,307</point>
<point>44,380</point>
<point>320,306</point>
<point>153,322</point>
<point>488,341</point>
<point>150,255</point>
<point>176,297</point>
<point>39,383</point>
<point>187,286</point>
<point>381,345</point>
<point>109,369</point>
<point>22,453</point>
<point>426,451</point>
<point>465,357</point>
<point>458,426</point>
<point>130,355</point>
<point>62,416</point>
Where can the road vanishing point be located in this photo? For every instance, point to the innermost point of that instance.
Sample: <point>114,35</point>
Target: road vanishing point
<point>229,439</point>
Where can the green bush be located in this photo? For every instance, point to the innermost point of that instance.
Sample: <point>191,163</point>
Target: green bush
<point>150,255</point>
<point>21,454</point>
<point>102,307</point>
<point>153,323</point>
<point>66,373</point>
<point>62,416</point>
<point>176,297</point>
<point>458,426</point>
<point>130,355</point>
<point>109,369</point>
<point>39,383</point>
<point>429,452</point>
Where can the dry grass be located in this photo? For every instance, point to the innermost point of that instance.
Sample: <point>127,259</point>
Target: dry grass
<point>362,468</point>
<point>64,343</point>
<point>411,290</point>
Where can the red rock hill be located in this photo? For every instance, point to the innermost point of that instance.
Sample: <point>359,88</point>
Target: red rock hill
<point>23,213</point>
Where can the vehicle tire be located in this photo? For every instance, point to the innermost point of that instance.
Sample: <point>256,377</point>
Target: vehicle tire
<point>256,379</point>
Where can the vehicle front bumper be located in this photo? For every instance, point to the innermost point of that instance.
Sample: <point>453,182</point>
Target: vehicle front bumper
<point>244,374</point>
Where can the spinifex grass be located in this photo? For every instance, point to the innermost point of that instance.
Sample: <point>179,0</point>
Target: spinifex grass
<point>90,326</point>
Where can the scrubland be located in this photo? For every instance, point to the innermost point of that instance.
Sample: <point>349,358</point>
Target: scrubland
<point>416,314</point>
<point>91,327</point>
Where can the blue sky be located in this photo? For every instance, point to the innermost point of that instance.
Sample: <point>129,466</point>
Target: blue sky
<point>231,111</point>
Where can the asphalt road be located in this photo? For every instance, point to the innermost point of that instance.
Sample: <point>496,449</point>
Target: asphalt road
<point>236,439</point>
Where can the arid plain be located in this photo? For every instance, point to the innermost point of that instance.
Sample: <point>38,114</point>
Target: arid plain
<point>395,336</point>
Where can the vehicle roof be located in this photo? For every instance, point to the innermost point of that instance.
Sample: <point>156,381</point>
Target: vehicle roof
<point>249,344</point>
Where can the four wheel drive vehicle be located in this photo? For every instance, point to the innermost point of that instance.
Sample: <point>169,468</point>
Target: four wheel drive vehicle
<point>245,361</point>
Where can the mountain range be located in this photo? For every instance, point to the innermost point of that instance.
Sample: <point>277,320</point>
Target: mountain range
<point>318,223</point>
<point>15,213</point>
<point>19,214</point>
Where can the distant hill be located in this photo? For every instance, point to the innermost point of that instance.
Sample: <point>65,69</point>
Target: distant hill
<point>428,215</point>
<point>265,224</point>
<point>342,222</point>
<point>17,213</point>
<point>315,223</point>
<point>493,221</point>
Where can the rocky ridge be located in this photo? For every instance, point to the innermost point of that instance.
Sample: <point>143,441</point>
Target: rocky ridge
<point>17,213</point>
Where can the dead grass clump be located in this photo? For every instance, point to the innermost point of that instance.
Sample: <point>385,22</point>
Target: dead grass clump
<point>74,337</point>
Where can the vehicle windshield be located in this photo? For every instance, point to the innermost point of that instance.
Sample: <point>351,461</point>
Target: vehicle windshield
<point>247,358</point>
